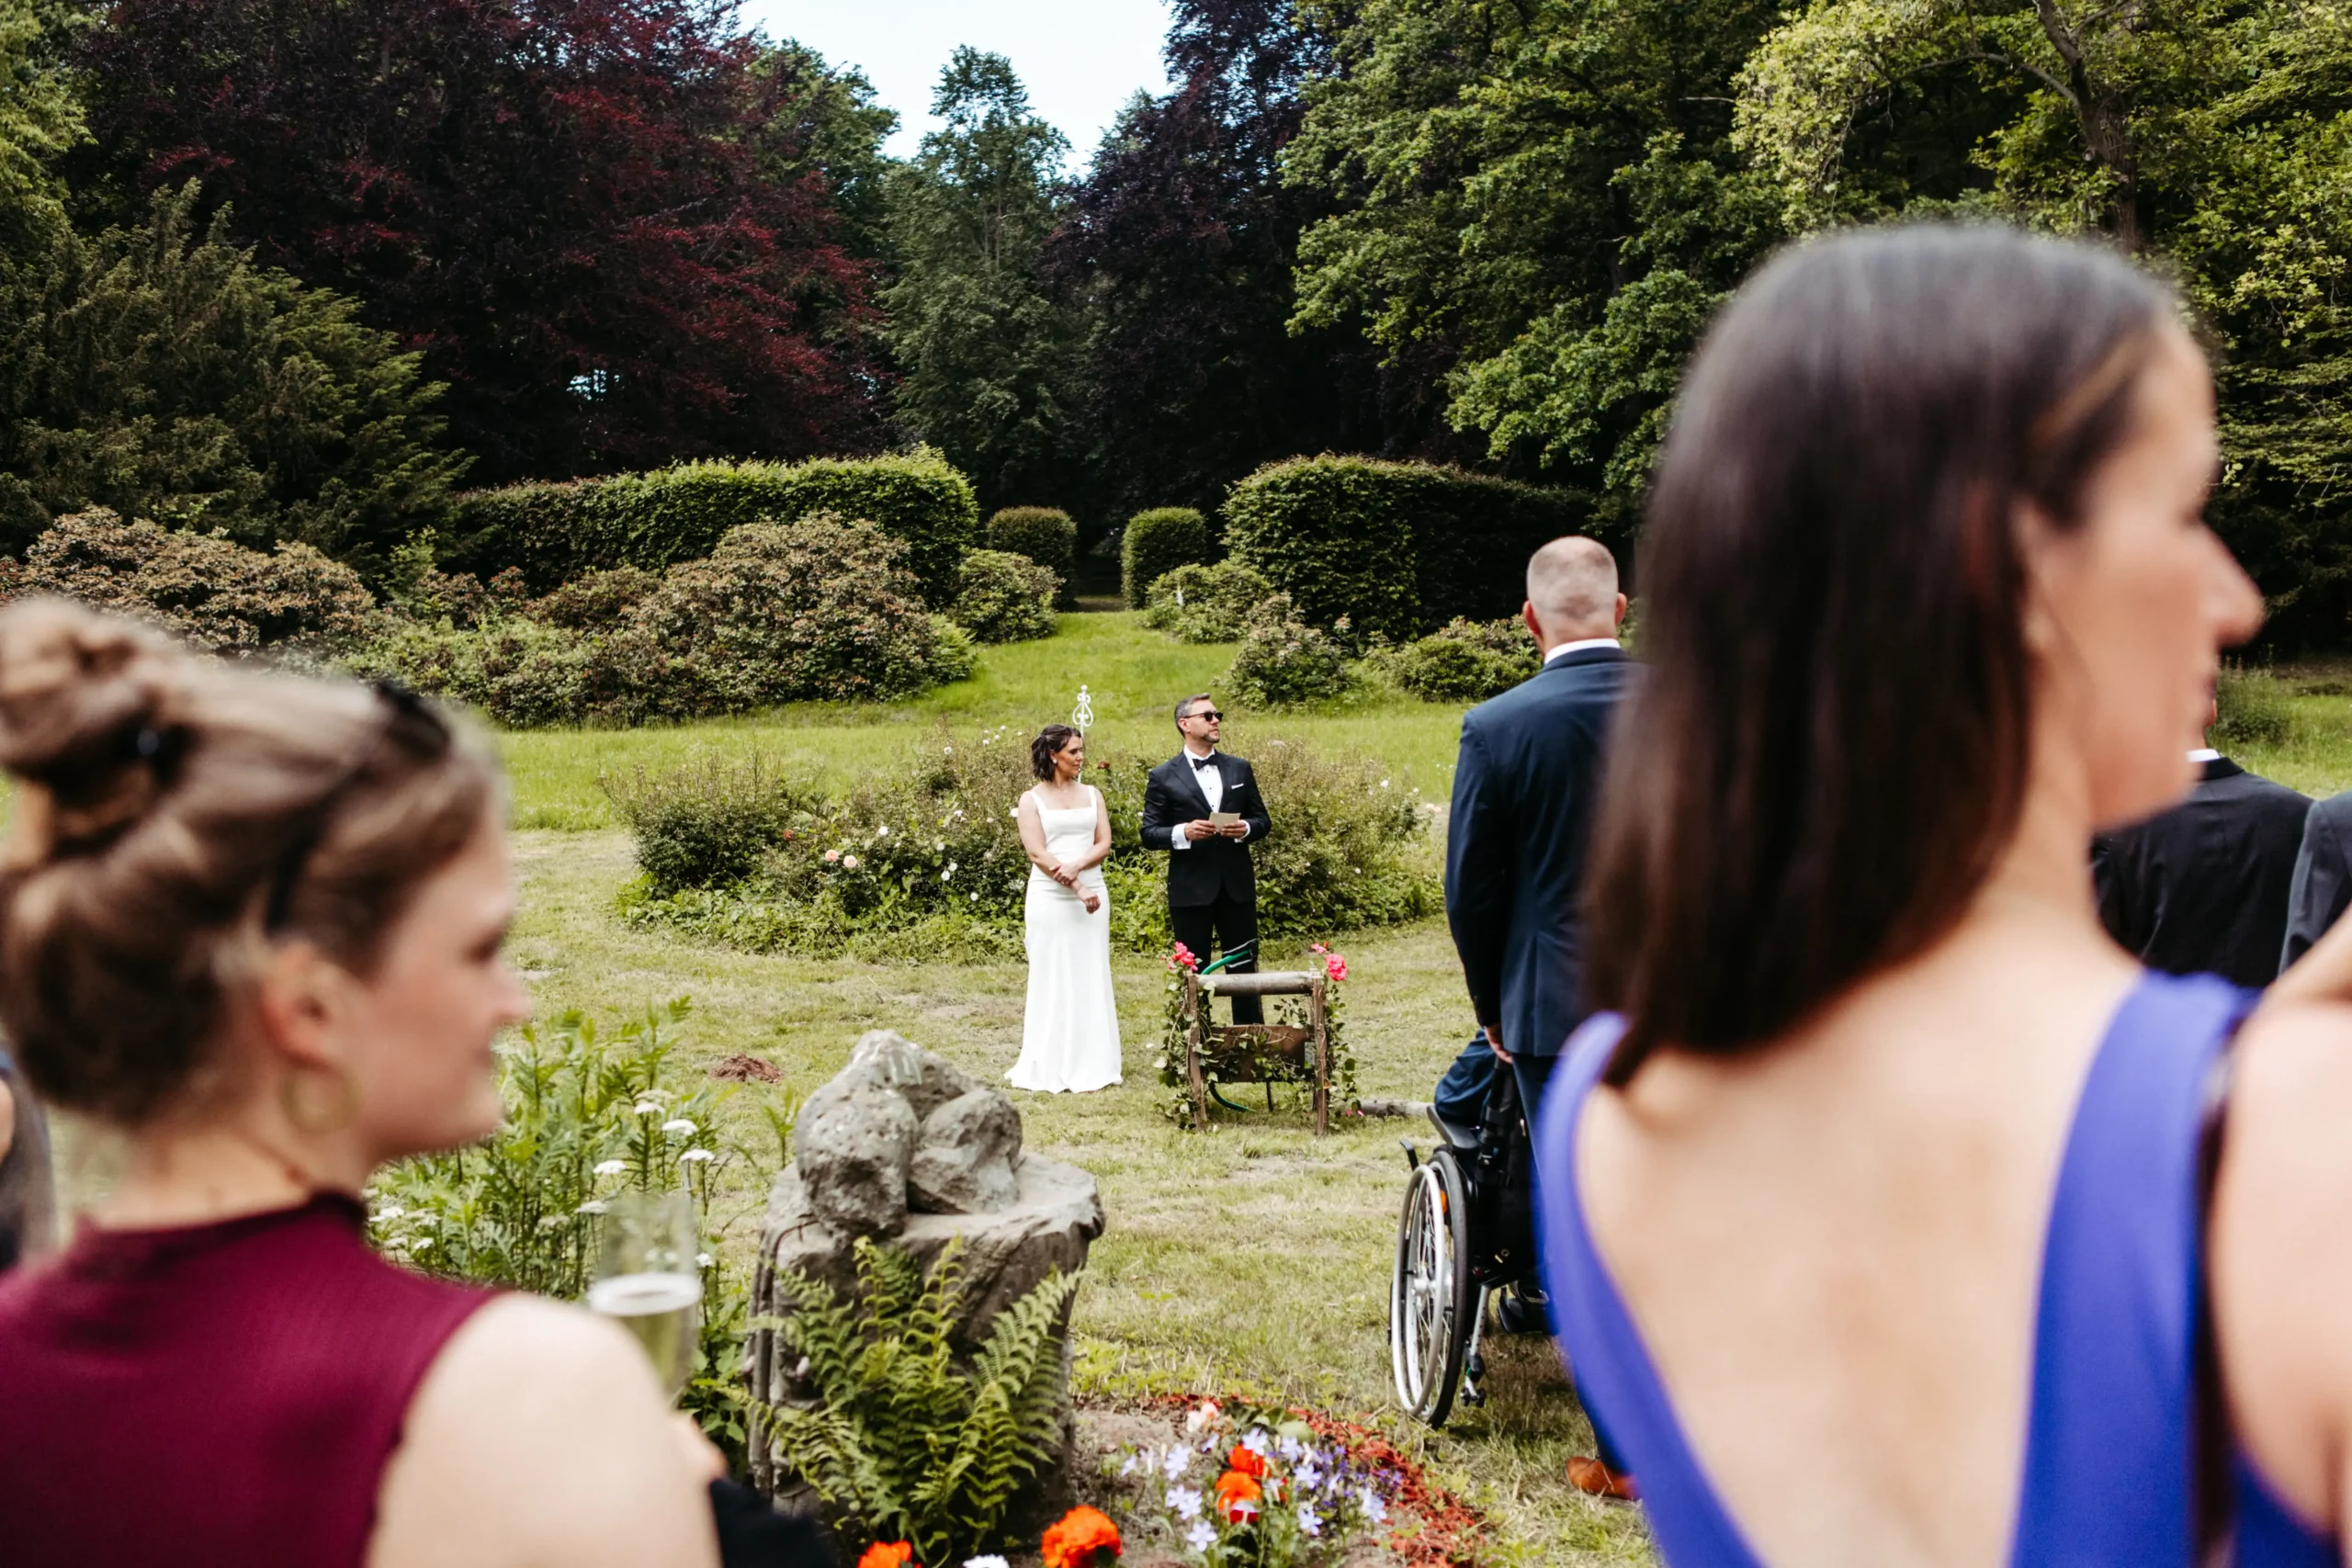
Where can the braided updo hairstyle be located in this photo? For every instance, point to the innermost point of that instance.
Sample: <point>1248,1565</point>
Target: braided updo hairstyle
<point>175,816</point>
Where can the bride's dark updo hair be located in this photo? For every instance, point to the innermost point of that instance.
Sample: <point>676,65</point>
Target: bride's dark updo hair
<point>1048,745</point>
<point>174,817</point>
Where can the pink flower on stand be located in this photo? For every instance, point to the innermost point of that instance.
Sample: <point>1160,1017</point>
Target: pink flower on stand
<point>1336,967</point>
<point>1182,956</point>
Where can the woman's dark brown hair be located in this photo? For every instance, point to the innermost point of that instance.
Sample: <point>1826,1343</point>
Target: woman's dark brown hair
<point>177,815</point>
<point>1828,751</point>
<point>1046,747</point>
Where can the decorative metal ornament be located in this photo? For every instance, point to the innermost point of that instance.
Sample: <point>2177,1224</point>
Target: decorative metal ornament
<point>1082,718</point>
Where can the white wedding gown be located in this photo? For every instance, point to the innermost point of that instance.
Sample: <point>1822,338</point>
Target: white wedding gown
<point>1069,1035</point>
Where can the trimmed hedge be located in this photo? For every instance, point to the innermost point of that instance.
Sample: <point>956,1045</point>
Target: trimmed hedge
<point>1396,550</point>
<point>556,532</point>
<point>1047,534</point>
<point>1157,543</point>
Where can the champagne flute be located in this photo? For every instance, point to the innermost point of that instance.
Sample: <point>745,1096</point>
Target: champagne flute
<point>647,1280</point>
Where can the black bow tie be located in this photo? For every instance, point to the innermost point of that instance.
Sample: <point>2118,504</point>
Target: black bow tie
<point>1207,761</point>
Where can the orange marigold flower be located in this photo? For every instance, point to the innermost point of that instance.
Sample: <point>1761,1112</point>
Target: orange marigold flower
<point>1248,1461</point>
<point>1075,1542</point>
<point>888,1554</point>
<point>1237,1495</point>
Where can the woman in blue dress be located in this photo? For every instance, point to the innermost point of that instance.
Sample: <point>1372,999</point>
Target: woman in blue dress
<point>1872,1214</point>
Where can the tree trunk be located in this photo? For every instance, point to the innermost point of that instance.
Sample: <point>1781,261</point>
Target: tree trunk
<point>2105,121</point>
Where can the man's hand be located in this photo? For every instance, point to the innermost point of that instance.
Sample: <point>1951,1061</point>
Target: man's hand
<point>1235,830</point>
<point>1199,828</point>
<point>1494,1044</point>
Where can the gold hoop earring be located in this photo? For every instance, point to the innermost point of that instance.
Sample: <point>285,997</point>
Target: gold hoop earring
<point>308,1118</point>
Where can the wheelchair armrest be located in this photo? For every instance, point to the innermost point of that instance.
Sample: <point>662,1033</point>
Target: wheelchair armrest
<point>1461,1135</point>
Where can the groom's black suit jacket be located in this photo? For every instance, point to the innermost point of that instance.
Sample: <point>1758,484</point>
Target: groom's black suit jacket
<point>1199,872</point>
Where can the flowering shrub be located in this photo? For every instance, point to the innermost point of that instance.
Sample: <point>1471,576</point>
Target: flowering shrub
<point>820,609</point>
<point>1284,663</point>
<point>218,595</point>
<point>588,1115</point>
<point>1463,662</point>
<point>1257,1492</point>
<point>1002,597</point>
<point>926,859</point>
<point>1205,604</point>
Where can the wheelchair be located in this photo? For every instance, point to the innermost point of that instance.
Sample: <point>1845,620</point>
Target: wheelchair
<point>1465,1236</point>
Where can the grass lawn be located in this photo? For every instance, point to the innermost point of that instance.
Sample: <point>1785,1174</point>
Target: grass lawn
<point>1254,1260</point>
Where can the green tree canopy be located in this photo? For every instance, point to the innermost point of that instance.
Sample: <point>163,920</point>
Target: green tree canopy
<point>1541,196</point>
<point>990,360</point>
<point>163,374</point>
<point>2209,136</point>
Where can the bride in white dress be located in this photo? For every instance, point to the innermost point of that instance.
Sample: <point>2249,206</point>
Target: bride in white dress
<point>1069,1035</point>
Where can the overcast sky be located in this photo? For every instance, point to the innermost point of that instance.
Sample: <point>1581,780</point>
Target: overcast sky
<point>1079,59</point>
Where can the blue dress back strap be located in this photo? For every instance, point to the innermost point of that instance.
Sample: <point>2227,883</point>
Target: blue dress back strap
<point>2106,1451</point>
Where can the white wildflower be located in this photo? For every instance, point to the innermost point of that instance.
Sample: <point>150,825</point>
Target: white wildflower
<point>1290,1448</point>
<point>388,1213</point>
<point>1175,1461</point>
<point>646,1108</point>
<point>1185,1500</point>
<point>1129,1468</point>
<point>985,1562</point>
<point>422,1244</point>
<point>611,1167</point>
<point>704,1261</point>
<point>679,1125</point>
<point>883,831</point>
<point>974,897</point>
<point>1254,1440</point>
<point>1307,1522</point>
<point>593,1206</point>
<point>1201,1536</point>
<point>1374,1508</point>
<point>696,1157</point>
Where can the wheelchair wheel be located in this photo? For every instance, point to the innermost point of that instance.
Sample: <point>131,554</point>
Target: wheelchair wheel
<point>1430,1298</point>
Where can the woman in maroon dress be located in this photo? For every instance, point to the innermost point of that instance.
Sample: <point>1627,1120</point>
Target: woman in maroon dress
<point>255,923</point>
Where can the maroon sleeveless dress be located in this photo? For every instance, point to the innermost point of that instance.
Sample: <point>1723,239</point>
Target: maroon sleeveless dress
<point>217,1396</point>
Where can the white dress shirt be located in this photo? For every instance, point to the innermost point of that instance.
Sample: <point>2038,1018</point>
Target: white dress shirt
<point>1579,644</point>
<point>1211,782</point>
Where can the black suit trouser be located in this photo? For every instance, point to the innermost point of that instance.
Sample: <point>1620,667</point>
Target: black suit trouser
<point>1232,923</point>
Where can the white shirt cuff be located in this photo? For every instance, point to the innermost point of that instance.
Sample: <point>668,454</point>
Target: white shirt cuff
<point>1178,839</point>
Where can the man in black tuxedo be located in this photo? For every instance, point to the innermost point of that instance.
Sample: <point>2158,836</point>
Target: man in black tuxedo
<point>2201,888</point>
<point>2321,883</point>
<point>1523,793</point>
<point>1212,886</point>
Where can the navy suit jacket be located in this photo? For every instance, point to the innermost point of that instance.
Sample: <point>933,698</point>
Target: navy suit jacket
<point>1523,794</point>
<point>2322,882</point>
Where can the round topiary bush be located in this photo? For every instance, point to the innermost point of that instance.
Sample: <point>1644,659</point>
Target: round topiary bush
<point>1003,597</point>
<point>1157,543</point>
<point>1047,534</point>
